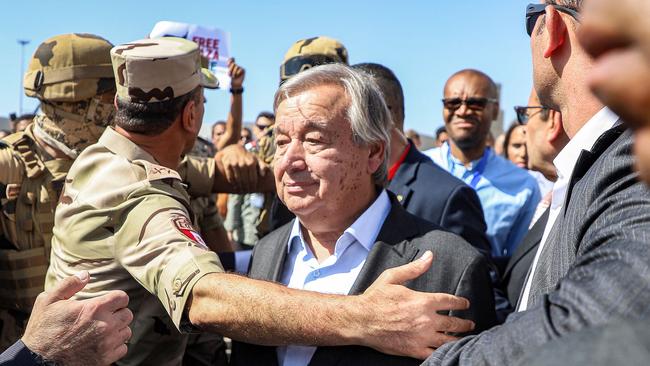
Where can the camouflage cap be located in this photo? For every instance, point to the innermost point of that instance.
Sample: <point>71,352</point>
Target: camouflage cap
<point>70,68</point>
<point>311,52</point>
<point>159,69</point>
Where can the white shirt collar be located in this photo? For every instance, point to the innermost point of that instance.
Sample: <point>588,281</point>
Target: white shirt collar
<point>364,229</point>
<point>585,139</point>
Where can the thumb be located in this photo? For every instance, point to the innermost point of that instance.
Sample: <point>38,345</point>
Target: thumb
<point>401,274</point>
<point>68,287</point>
<point>263,168</point>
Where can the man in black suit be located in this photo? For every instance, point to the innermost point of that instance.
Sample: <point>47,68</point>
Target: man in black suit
<point>422,187</point>
<point>592,265</point>
<point>545,137</point>
<point>332,133</point>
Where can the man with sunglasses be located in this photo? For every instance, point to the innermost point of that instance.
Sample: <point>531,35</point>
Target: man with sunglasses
<point>545,137</point>
<point>592,264</point>
<point>507,193</point>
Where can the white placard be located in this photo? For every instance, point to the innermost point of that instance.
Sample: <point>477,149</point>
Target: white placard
<point>213,42</point>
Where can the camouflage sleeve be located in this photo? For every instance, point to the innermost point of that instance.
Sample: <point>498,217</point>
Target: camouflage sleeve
<point>207,214</point>
<point>158,245</point>
<point>11,168</point>
<point>198,173</point>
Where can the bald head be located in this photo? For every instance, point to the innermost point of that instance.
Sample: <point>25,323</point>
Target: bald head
<point>470,106</point>
<point>483,82</point>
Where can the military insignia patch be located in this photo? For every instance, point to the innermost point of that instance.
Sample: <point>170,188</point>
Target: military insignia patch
<point>184,225</point>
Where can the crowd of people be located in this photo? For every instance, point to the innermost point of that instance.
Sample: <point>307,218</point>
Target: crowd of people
<point>321,234</point>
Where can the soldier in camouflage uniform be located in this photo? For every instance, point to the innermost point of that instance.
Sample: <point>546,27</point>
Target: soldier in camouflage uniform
<point>72,77</point>
<point>124,216</point>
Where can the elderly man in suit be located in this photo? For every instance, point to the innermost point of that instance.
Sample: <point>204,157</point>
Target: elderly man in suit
<point>593,262</point>
<point>332,134</point>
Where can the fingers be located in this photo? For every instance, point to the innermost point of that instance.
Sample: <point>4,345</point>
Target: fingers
<point>123,318</point>
<point>111,302</point>
<point>423,353</point>
<point>441,339</point>
<point>252,173</point>
<point>401,274</point>
<point>446,302</point>
<point>115,354</point>
<point>451,324</point>
<point>67,287</point>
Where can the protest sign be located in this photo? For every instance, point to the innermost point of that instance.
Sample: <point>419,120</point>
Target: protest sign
<point>213,42</point>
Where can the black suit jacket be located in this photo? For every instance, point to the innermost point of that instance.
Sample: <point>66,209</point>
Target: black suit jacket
<point>514,276</point>
<point>458,269</point>
<point>594,268</point>
<point>431,193</point>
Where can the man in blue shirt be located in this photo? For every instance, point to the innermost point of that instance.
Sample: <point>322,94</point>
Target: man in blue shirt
<point>508,194</point>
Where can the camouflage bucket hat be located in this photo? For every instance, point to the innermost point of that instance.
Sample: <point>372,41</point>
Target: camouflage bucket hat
<point>311,52</point>
<point>70,68</point>
<point>159,69</point>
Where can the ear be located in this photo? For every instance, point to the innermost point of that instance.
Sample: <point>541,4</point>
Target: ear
<point>189,116</point>
<point>555,128</point>
<point>115,101</point>
<point>376,157</point>
<point>556,29</point>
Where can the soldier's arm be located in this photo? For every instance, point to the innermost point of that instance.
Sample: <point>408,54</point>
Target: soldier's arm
<point>158,246</point>
<point>233,170</point>
<point>11,168</point>
<point>388,316</point>
<point>232,134</point>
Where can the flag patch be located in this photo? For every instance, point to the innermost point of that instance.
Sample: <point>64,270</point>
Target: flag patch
<point>184,225</point>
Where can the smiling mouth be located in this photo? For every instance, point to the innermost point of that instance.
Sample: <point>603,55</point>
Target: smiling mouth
<point>298,186</point>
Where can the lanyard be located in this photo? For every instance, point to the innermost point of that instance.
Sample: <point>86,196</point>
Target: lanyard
<point>393,169</point>
<point>478,171</point>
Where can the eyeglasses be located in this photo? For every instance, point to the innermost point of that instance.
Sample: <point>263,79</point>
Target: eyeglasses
<point>476,104</point>
<point>533,11</point>
<point>522,112</point>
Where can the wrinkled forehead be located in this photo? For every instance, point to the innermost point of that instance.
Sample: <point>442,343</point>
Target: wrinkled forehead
<point>467,86</point>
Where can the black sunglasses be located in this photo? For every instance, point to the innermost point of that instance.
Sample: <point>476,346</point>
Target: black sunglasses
<point>533,11</point>
<point>522,112</point>
<point>476,104</point>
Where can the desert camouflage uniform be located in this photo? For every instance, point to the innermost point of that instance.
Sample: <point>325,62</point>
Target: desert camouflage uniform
<point>72,77</point>
<point>204,349</point>
<point>128,221</point>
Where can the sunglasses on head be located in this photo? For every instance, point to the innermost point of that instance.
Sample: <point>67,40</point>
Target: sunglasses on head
<point>522,112</point>
<point>476,104</point>
<point>534,11</point>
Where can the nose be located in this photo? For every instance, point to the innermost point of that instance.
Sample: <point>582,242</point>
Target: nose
<point>293,158</point>
<point>463,110</point>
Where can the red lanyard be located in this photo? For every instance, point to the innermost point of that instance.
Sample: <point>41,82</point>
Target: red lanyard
<point>393,169</point>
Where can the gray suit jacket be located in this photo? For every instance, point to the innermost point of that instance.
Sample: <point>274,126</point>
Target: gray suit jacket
<point>458,269</point>
<point>594,268</point>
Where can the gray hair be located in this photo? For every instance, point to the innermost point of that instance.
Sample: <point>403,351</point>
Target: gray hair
<point>367,113</point>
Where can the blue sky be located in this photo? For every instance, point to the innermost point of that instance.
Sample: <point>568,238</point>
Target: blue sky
<point>422,41</point>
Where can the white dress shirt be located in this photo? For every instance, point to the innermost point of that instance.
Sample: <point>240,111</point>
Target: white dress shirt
<point>337,273</point>
<point>565,162</point>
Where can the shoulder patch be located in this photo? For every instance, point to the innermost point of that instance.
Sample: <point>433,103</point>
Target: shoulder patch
<point>185,227</point>
<point>157,172</point>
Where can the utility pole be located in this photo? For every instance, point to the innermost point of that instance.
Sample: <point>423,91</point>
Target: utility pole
<point>23,43</point>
